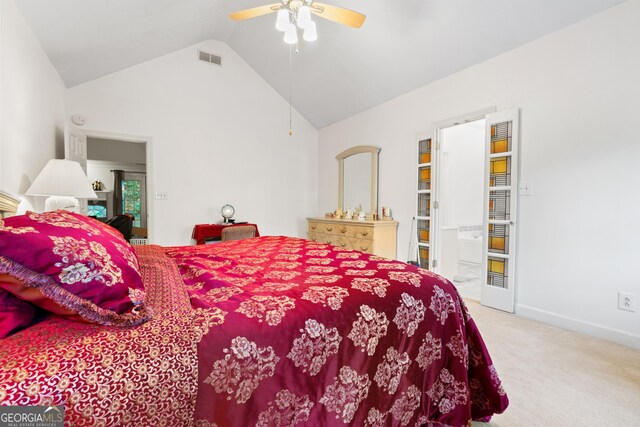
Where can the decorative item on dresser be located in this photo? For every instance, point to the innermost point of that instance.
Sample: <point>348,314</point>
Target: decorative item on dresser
<point>372,237</point>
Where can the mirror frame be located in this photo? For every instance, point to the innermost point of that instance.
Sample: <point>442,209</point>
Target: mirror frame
<point>375,152</point>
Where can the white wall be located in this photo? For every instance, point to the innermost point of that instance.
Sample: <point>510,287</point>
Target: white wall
<point>218,135</point>
<point>33,106</point>
<point>101,170</point>
<point>116,151</point>
<point>579,93</point>
<point>462,174</point>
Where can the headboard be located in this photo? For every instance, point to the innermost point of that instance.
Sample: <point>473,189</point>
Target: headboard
<point>8,205</point>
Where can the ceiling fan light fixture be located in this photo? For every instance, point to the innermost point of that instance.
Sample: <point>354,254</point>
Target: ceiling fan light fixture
<point>304,17</point>
<point>310,33</point>
<point>282,22</point>
<point>291,34</point>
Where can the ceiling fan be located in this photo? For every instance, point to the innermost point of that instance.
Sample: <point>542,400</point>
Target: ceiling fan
<point>293,14</point>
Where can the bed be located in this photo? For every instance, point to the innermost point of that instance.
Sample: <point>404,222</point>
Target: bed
<point>269,331</point>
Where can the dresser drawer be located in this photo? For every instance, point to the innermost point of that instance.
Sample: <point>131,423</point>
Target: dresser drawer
<point>323,238</point>
<point>374,237</point>
<point>314,226</point>
<point>354,230</point>
<point>324,228</point>
<point>354,243</point>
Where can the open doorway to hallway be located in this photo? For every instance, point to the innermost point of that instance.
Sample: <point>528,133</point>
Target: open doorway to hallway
<point>461,202</point>
<point>119,169</point>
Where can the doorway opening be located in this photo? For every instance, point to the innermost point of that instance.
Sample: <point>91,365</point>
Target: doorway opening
<point>118,169</point>
<point>461,204</point>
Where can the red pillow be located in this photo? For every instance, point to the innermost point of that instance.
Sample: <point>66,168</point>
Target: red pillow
<point>15,314</point>
<point>72,265</point>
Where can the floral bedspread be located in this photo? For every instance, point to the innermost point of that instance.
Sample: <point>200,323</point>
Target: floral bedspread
<point>302,333</point>
<point>144,375</point>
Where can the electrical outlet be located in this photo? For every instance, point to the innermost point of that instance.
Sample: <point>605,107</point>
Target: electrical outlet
<point>161,195</point>
<point>627,301</point>
<point>526,188</point>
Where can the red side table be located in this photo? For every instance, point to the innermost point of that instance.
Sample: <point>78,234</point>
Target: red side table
<point>203,232</point>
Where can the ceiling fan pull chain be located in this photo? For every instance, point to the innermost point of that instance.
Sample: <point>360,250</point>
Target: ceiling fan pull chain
<point>290,107</point>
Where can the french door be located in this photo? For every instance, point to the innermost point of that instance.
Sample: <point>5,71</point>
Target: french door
<point>500,209</point>
<point>500,205</point>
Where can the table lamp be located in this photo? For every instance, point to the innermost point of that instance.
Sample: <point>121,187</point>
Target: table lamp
<point>62,181</point>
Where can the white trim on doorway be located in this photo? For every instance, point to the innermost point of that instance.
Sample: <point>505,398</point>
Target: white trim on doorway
<point>148,141</point>
<point>434,131</point>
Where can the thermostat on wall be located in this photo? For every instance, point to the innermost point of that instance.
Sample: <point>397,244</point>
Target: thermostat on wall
<point>78,120</point>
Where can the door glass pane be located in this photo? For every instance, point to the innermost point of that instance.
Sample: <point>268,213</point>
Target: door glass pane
<point>500,171</point>
<point>501,137</point>
<point>499,238</point>
<point>497,269</point>
<point>131,202</point>
<point>424,178</point>
<point>425,151</point>
<point>424,204</point>
<point>423,231</point>
<point>500,205</point>
<point>424,257</point>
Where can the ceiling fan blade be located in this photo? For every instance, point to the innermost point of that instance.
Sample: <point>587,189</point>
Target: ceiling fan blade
<point>255,12</point>
<point>338,14</point>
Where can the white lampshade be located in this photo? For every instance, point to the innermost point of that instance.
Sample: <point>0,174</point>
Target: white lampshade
<point>304,16</point>
<point>282,22</point>
<point>291,35</point>
<point>310,33</point>
<point>62,178</point>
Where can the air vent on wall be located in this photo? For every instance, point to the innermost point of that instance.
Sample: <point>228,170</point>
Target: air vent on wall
<point>209,57</point>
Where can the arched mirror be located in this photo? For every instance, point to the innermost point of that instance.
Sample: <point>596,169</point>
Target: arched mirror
<point>358,178</point>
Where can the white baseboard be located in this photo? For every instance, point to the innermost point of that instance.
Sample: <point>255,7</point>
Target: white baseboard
<point>588,328</point>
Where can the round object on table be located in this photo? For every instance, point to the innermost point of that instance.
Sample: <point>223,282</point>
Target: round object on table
<point>227,212</point>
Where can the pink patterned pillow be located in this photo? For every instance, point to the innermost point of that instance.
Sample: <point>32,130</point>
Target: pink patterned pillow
<point>74,262</point>
<point>15,314</point>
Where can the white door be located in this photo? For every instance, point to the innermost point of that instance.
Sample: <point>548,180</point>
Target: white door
<point>75,148</point>
<point>426,206</point>
<point>500,209</point>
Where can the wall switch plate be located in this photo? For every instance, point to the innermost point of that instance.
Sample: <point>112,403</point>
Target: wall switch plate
<point>627,301</point>
<point>161,195</point>
<point>526,188</point>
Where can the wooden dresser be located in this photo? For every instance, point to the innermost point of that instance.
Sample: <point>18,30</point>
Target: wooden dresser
<point>373,237</point>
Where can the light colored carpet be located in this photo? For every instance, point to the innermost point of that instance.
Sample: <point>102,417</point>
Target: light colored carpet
<point>555,377</point>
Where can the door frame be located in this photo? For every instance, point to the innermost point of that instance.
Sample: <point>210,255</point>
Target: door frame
<point>435,133</point>
<point>149,170</point>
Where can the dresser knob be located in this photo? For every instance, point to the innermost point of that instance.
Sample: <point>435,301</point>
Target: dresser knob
<point>364,233</point>
<point>344,245</point>
<point>313,227</point>
<point>329,228</point>
<point>363,249</point>
<point>343,229</point>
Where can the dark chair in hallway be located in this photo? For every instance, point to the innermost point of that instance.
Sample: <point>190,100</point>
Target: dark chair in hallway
<point>123,223</point>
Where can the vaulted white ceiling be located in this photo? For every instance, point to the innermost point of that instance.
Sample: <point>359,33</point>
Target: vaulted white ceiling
<point>404,44</point>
